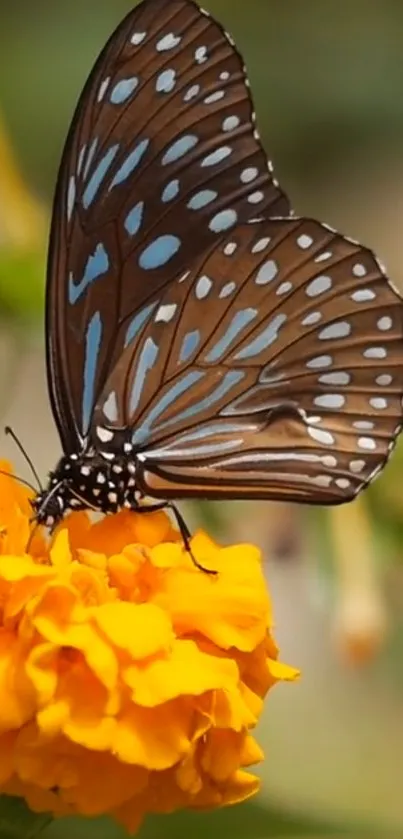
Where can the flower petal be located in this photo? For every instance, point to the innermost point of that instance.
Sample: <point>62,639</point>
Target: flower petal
<point>184,671</point>
<point>229,609</point>
<point>155,740</point>
<point>129,680</point>
<point>141,630</point>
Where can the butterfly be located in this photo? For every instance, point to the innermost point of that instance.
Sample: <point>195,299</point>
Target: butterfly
<point>202,341</point>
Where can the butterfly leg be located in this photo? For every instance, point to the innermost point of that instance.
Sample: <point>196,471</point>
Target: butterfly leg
<point>183,528</point>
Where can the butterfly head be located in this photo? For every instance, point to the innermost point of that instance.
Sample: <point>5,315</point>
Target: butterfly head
<point>86,481</point>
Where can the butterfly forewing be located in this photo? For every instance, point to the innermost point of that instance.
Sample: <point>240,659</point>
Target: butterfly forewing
<point>272,369</point>
<point>162,159</point>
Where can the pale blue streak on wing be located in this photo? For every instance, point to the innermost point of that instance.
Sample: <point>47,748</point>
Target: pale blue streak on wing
<point>138,322</point>
<point>232,378</point>
<point>174,448</point>
<point>141,433</point>
<point>166,81</point>
<point>98,175</point>
<point>238,323</point>
<point>211,429</point>
<point>189,344</point>
<point>148,357</point>
<point>92,346</point>
<point>97,265</point>
<point>110,407</point>
<point>264,340</point>
<point>123,90</point>
<point>217,156</point>
<point>170,191</point>
<point>134,219</point>
<point>202,198</point>
<point>159,252</point>
<point>179,148</point>
<point>129,165</point>
<point>223,221</point>
<point>199,451</point>
<point>81,158</point>
<point>71,196</point>
<point>90,156</point>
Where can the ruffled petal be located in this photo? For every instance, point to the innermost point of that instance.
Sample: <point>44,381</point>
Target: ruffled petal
<point>129,680</point>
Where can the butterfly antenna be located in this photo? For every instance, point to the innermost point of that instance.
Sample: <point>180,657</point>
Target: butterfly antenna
<point>17,478</point>
<point>18,443</point>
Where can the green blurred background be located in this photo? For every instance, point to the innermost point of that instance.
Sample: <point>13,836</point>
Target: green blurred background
<point>327,77</point>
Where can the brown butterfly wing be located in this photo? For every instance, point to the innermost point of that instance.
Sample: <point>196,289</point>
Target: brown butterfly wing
<point>162,156</point>
<point>274,369</point>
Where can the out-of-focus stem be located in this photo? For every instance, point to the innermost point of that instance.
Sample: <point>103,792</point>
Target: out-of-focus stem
<point>360,616</point>
<point>22,216</point>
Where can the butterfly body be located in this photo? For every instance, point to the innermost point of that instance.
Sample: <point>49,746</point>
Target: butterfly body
<point>202,341</point>
<point>90,480</point>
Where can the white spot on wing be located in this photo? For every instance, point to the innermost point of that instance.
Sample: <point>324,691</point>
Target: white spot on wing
<point>385,323</point>
<point>249,174</point>
<point>322,257</point>
<point>168,42</point>
<point>336,330</point>
<point>362,295</point>
<point>103,88</point>
<point>375,352</point>
<point>137,38</point>
<point>104,434</point>
<point>384,379</point>
<point>329,400</point>
<point>338,378</point>
<point>284,288</point>
<point>214,97</point>
<point>166,81</point>
<point>363,425</point>
<point>366,443</point>
<point>203,287</point>
<point>321,436</point>
<point>110,408</point>
<point>320,361</point>
<point>201,55</point>
<point>379,403</point>
<point>267,272</point>
<point>227,289</point>
<point>256,197</point>
<point>216,156</point>
<point>343,483</point>
<point>311,319</point>
<point>318,286</point>
<point>193,91</point>
<point>357,466</point>
<point>304,241</point>
<point>359,270</point>
<point>166,312</point>
<point>261,244</point>
<point>230,123</point>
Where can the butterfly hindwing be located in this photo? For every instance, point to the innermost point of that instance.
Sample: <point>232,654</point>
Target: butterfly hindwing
<point>163,158</point>
<point>272,369</point>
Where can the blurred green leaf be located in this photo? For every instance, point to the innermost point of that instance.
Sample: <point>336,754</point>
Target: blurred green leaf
<point>248,821</point>
<point>18,822</point>
<point>21,283</point>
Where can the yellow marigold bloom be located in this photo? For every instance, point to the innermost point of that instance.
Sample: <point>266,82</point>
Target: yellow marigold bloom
<point>129,680</point>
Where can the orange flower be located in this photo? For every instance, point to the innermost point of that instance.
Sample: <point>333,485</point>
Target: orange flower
<point>129,679</point>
